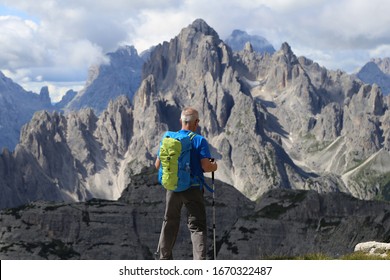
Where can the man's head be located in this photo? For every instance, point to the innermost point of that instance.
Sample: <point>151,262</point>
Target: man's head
<point>189,119</point>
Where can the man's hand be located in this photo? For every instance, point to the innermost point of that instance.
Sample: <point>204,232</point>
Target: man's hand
<point>157,163</point>
<point>208,165</point>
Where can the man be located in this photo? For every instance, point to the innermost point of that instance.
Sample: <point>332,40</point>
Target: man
<point>191,198</point>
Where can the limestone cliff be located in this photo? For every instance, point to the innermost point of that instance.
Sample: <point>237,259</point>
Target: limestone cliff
<point>283,223</point>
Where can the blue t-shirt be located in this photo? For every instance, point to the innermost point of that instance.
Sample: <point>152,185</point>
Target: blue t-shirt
<point>200,150</point>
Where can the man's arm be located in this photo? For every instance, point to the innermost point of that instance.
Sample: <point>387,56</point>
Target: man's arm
<point>208,166</point>
<point>157,163</point>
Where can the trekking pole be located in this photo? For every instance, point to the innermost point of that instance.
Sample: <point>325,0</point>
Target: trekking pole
<point>157,253</point>
<point>214,229</point>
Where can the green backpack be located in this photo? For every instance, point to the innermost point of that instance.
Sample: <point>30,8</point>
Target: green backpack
<point>175,161</point>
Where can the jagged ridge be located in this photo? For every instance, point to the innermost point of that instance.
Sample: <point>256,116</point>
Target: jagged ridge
<point>273,121</point>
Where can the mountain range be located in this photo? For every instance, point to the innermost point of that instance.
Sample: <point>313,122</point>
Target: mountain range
<point>272,120</point>
<point>120,75</point>
<point>281,127</point>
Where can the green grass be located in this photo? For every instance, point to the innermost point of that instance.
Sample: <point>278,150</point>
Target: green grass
<point>320,256</point>
<point>364,256</point>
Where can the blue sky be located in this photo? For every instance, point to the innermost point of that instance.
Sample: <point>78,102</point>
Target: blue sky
<point>53,42</point>
<point>10,11</point>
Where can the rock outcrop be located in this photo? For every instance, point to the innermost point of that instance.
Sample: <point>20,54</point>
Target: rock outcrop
<point>71,157</point>
<point>282,224</point>
<point>374,248</point>
<point>295,223</point>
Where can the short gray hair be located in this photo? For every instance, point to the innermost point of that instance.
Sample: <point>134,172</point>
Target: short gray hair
<point>189,114</point>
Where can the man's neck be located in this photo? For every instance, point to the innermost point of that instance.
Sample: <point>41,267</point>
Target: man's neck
<point>186,127</point>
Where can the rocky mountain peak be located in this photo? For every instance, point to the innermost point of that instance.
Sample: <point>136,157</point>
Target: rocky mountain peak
<point>287,52</point>
<point>126,51</point>
<point>248,47</point>
<point>174,60</point>
<point>376,71</point>
<point>17,107</point>
<point>121,75</point>
<point>69,95</point>
<point>286,48</point>
<point>124,55</point>
<point>199,25</point>
<point>238,40</point>
<point>44,95</point>
<point>383,64</point>
<point>6,84</point>
<point>3,78</point>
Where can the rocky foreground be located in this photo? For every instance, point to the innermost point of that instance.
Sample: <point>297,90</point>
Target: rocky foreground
<point>281,223</point>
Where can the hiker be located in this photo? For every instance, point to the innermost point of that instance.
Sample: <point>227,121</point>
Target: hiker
<point>192,198</point>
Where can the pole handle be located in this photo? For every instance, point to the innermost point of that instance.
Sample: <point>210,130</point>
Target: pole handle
<point>212,173</point>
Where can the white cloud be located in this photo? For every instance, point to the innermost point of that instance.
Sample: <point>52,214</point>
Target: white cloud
<point>381,51</point>
<point>78,54</point>
<point>19,47</point>
<point>20,75</point>
<point>52,40</point>
<point>58,90</point>
<point>155,27</point>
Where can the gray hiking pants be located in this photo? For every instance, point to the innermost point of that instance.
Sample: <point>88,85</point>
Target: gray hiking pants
<point>193,200</point>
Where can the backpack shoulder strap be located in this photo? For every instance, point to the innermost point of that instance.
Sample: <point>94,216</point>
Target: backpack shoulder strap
<point>204,184</point>
<point>191,135</point>
<point>199,179</point>
<point>208,187</point>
